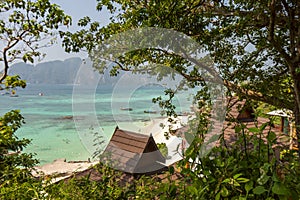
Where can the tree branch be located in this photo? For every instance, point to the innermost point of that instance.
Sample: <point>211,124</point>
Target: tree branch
<point>272,20</point>
<point>291,26</point>
<point>5,60</point>
<point>235,88</point>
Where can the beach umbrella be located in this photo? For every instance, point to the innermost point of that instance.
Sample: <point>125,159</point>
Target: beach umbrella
<point>281,113</point>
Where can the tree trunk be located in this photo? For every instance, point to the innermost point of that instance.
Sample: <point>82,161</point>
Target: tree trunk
<point>297,116</point>
<point>297,126</point>
<point>296,78</point>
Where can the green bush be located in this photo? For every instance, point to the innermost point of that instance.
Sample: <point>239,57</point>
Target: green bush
<point>243,172</point>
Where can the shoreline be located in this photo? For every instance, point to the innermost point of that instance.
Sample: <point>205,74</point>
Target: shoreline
<point>64,167</point>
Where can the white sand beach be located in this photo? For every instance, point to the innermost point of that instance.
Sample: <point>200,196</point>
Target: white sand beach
<point>61,168</point>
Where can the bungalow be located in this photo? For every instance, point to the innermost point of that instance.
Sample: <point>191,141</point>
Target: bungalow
<point>240,113</point>
<point>133,153</point>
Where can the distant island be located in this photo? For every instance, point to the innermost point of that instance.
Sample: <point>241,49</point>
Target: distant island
<point>55,72</point>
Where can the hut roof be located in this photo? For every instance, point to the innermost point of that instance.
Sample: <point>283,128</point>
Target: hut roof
<point>133,153</point>
<point>240,112</point>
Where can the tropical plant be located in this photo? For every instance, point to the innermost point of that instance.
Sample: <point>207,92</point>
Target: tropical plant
<point>254,46</point>
<point>25,28</point>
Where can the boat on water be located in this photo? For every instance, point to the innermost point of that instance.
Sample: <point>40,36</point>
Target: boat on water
<point>13,94</point>
<point>150,111</point>
<point>129,109</point>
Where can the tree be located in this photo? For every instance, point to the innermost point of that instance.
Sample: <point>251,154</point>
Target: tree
<point>254,45</point>
<point>10,148</point>
<point>25,27</point>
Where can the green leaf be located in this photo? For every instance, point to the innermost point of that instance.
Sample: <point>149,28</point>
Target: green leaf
<point>237,129</point>
<point>242,180</point>
<point>30,59</point>
<point>280,189</point>
<point>265,168</point>
<point>249,186</point>
<point>235,183</point>
<point>237,175</point>
<point>172,190</point>
<point>271,136</point>
<point>259,190</point>
<point>218,196</point>
<point>224,192</point>
<point>262,127</point>
<point>275,178</point>
<point>263,179</point>
<point>192,190</point>
<point>171,170</point>
<point>227,180</point>
<point>254,130</point>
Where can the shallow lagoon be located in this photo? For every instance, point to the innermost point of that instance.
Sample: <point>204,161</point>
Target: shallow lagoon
<point>50,123</point>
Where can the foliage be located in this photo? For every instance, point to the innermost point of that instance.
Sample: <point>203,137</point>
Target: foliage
<point>245,169</point>
<point>254,46</point>
<point>29,189</point>
<point>11,146</point>
<point>13,82</point>
<point>262,109</point>
<point>25,27</point>
<point>113,185</point>
<point>84,188</point>
<point>14,165</point>
<point>215,25</point>
<point>163,149</point>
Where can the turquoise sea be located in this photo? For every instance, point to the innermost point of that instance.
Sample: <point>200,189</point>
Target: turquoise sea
<point>62,125</point>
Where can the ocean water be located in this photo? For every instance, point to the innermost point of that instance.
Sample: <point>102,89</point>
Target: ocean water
<point>66,123</point>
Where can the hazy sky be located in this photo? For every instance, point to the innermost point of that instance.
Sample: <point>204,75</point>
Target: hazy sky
<point>77,9</point>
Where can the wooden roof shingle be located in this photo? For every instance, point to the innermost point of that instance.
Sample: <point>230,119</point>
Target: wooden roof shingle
<point>133,153</point>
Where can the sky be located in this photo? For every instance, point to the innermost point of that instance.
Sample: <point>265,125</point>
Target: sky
<point>77,9</point>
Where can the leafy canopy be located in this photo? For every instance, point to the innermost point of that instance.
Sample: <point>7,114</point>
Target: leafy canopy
<point>254,45</point>
<point>26,27</point>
